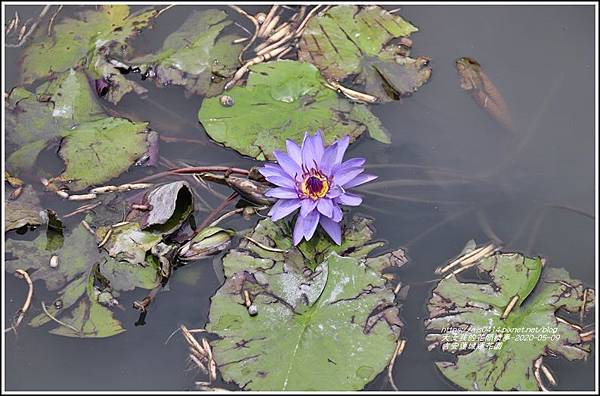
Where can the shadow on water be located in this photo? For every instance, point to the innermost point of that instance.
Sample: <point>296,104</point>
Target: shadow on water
<point>450,175</point>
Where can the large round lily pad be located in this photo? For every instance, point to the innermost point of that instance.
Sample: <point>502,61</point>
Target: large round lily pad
<point>496,347</point>
<point>196,56</point>
<point>350,40</point>
<point>333,328</point>
<point>280,101</point>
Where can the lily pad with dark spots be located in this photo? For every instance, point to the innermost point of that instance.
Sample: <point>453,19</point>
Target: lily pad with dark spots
<point>350,40</point>
<point>280,101</point>
<point>64,112</point>
<point>499,328</point>
<point>197,56</point>
<point>86,41</point>
<point>85,278</point>
<point>331,328</point>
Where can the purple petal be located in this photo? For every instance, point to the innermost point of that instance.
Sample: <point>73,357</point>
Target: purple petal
<point>272,170</point>
<point>308,152</point>
<point>332,228</point>
<point>282,193</point>
<point>341,150</point>
<point>351,163</point>
<point>349,199</point>
<point>337,213</point>
<point>308,205</point>
<point>342,177</point>
<point>282,181</point>
<point>360,179</point>
<point>310,224</point>
<point>325,206</point>
<point>318,148</point>
<point>287,164</point>
<point>298,230</point>
<point>284,207</point>
<point>334,192</point>
<point>294,151</point>
<point>328,159</point>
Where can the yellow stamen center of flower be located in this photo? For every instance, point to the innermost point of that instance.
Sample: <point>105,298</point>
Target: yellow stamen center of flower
<point>314,185</point>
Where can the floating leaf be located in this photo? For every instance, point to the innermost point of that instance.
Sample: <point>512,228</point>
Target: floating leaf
<point>280,101</point>
<point>170,205</point>
<point>334,328</point>
<point>24,210</point>
<point>483,91</point>
<point>84,274</point>
<point>208,242</point>
<point>97,151</point>
<point>94,146</point>
<point>195,56</point>
<point>129,243</point>
<point>514,338</point>
<point>85,40</point>
<point>351,40</point>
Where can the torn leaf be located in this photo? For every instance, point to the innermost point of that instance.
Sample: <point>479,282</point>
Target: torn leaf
<point>331,328</point>
<point>519,312</point>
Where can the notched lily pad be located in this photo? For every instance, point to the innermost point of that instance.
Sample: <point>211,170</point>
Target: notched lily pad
<point>86,41</point>
<point>89,281</point>
<point>355,41</point>
<point>197,55</point>
<point>331,328</point>
<point>94,146</point>
<point>500,328</point>
<point>280,101</point>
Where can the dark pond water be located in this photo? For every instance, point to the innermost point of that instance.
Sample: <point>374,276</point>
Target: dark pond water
<point>542,60</point>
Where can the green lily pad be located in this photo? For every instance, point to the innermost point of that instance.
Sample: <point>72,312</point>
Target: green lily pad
<point>196,56</point>
<point>85,41</point>
<point>461,312</point>
<point>97,151</point>
<point>95,147</point>
<point>349,40</point>
<point>280,101</point>
<point>334,328</point>
<point>25,210</point>
<point>85,277</point>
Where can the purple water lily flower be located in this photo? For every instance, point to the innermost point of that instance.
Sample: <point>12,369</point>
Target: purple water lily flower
<point>314,179</point>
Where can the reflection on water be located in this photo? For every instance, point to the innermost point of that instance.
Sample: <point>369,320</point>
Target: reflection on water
<point>451,174</point>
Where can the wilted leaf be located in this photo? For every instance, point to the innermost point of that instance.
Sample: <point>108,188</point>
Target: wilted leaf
<point>84,274</point>
<point>129,243</point>
<point>532,329</point>
<point>208,242</point>
<point>280,101</point>
<point>170,205</point>
<point>350,40</point>
<point>334,328</point>
<point>25,210</point>
<point>195,56</point>
<point>94,146</point>
<point>483,91</point>
<point>85,40</point>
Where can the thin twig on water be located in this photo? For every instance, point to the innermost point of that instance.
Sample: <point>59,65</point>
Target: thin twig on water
<point>58,321</point>
<point>35,24</point>
<point>399,349</point>
<point>25,307</point>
